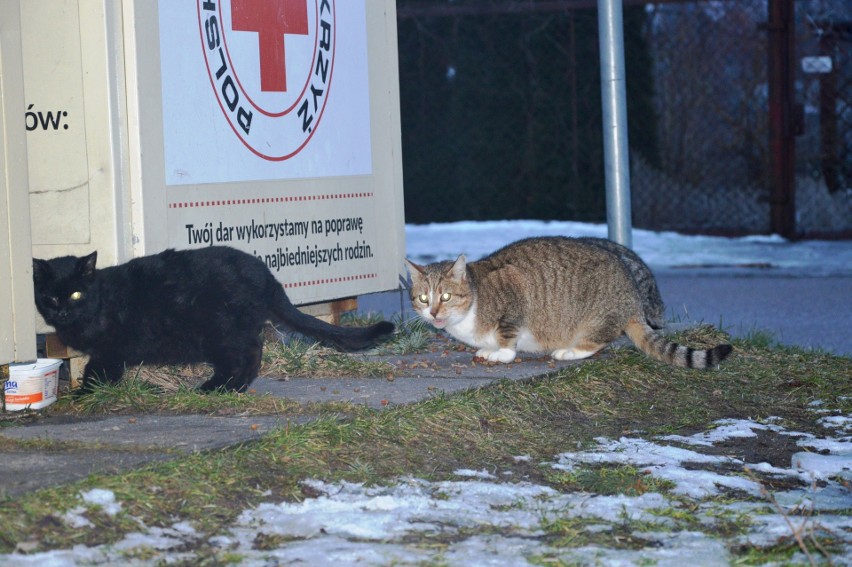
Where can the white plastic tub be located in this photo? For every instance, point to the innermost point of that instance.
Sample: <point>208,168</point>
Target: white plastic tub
<point>32,385</point>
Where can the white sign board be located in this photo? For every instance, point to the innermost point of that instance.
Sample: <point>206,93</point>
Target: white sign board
<point>268,125</point>
<point>277,133</point>
<point>286,80</point>
<point>817,64</point>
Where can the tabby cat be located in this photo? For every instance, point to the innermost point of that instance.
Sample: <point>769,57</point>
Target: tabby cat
<point>652,302</point>
<point>564,296</point>
<point>176,307</point>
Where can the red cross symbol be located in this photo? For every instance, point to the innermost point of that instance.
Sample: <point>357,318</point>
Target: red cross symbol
<point>271,19</point>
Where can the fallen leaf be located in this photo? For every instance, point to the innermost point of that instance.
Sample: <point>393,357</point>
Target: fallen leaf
<point>26,546</point>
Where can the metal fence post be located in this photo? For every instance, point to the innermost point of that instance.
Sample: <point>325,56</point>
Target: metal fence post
<point>614,106</point>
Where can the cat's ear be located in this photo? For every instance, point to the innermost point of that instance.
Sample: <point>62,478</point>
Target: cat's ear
<point>86,264</point>
<point>41,271</point>
<point>415,271</point>
<point>412,267</point>
<point>459,269</point>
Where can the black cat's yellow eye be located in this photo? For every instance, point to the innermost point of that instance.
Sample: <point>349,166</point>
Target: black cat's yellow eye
<point>423,298</point>
<point>446,297</point>
<point>76,296</point>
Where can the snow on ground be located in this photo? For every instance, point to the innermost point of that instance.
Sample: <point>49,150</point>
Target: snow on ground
<point>478,520</point>
<point>661,250</point>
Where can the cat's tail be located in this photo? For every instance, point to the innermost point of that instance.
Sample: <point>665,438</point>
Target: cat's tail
<point>344,338</point>
<point>655,345</point>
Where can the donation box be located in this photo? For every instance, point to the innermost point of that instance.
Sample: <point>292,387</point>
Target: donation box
<point>271,126</point>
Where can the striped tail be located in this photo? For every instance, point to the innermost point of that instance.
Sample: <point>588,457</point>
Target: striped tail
<point>660,348</point>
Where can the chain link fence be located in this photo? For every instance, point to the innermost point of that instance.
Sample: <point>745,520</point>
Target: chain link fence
<point>501,113</point>
<point>826,155</point>
<point>497,112</point>
<point>711,100</point>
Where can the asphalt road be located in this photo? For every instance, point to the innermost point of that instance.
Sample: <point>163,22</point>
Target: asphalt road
<point>811,312</point>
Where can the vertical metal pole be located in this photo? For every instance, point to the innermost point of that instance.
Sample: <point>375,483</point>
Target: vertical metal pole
<point>614,105</point>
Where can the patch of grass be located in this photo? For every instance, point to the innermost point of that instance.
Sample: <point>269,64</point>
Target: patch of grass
<point>413,334</point>
<point>608,480</point>
<point>623,391</point>
<point>729,522</point>
<point>565,531</point>
<point>134,394</point>
<point>568,532</point>
<point>777,555</point>
<point>360,319</point>
<point>682,516</point>
<point>13,418</point>
<point>301,358</point>
<point>10,446</point>
<point>784,553</point>
<point>760,338</point>
<point>755,382</point>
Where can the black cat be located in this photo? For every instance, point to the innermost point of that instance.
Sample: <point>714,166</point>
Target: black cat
<point>176,307</point>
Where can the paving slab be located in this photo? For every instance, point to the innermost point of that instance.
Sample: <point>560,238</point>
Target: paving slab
<point>451,363</point>
<point>417,377</point>
<point>182,433</point>
<point>29,470</point>
<point>375,393</point>
<point>111,444</point>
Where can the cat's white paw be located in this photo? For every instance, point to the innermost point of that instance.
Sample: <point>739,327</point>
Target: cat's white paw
<point>504,355</point>
<point>483,353</point>
<point>571,354</point>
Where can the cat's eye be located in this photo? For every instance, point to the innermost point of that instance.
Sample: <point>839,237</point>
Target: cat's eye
<point>445,297</point>
<point>76,296</point>
<point>423,298</point>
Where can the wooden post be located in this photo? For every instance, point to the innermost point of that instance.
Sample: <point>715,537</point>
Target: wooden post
<point>75,361</point>
<point>4,376</point>
<point>331,311</point>
<point>782,155</point>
